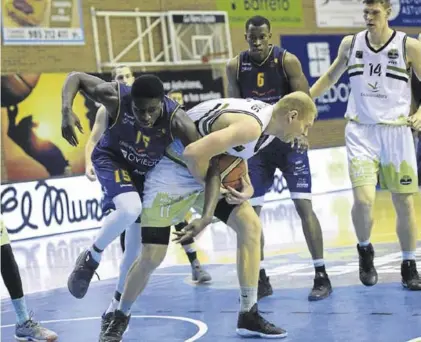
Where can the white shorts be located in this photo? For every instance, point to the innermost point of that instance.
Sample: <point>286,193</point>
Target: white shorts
<point>169,194</point>
<point>382,151</point>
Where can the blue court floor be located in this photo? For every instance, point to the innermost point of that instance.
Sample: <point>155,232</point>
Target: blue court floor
<point>172,308</point>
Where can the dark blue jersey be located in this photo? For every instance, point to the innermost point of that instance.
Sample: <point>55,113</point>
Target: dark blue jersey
<point>129,144</point>
<point>265,81</point>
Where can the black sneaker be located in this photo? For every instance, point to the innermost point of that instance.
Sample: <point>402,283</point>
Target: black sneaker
<point>410,277</point>
<point>81,276</point>
<point>265,288</point>
<point>321,288</point>
<point>106,320</point>
<point>252,324</point>
<point>116,328</point>
<point>368,273</point>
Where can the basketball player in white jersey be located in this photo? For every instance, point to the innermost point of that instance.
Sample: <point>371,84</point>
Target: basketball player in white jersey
<point>171,190</point>
<point>378,136</point>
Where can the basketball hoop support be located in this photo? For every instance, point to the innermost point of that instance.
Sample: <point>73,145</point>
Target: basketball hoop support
<point>186,37</point>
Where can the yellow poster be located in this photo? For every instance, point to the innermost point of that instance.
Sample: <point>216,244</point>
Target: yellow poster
<point>31,128</point>
<point>42,22</point>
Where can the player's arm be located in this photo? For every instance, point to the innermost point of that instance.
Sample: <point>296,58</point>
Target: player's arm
<point>335,71</point>
<point>413,53</point>
<point>97,89</point>
<point>200,152</point>
<point>231,68</point>
<point>294,72</point>
<point>100,125</point>
<point>183,128</point>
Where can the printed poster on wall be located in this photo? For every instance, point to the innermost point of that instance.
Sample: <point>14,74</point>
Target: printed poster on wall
<point>42,22</point>
<point>316,54</point>
<point>31,120</point>
<point>281,13</point>
<point>349,13</point>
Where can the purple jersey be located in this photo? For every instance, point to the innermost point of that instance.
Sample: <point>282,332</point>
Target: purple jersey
<point>266,81</point>
<point>127,143</point>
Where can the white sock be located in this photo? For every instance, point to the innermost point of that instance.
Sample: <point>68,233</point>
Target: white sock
<point>248,297</point>
<point>364,243</point>
<point>96,255</point>
<point>318,262</point>
<point>408,255</point>
<point>113,306</point>
<point>189,248</point>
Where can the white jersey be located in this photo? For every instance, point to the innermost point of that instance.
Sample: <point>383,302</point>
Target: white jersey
<point>206,113</point>
<point>380,81</point>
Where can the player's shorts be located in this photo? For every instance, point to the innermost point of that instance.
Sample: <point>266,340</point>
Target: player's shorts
<point>295,169</point>
<point>115,179</point>
<point>170,192</point>
<point>384,151</point>
<point>4,236</point>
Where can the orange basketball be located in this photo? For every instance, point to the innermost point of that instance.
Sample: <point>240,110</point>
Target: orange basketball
<point>16,87</point>
<point>232,170</point>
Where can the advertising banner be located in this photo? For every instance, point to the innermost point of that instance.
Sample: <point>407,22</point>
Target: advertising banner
<point>317,53</point>
<point>281,13</point>
<point>53,206</point>
<point>42,22</point>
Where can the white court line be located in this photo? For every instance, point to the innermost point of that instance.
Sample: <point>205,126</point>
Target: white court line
<point>203,328</point>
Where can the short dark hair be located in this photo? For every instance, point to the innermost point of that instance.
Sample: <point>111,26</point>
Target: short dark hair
<point>257,20</point>
<point>385,3</point>
<point>114,71</point>
<point>148,86</point>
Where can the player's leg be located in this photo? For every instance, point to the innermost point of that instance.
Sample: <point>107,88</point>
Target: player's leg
<point>295,167</point>
<point>398,173</point>
<point>26,328</point>
<point>169,194</point>
<point>123,206</point>
<point>261,173</point>
<point>198,272</point>
<point>363,149</point>
<point>243,219</point>
<point>132,242</point>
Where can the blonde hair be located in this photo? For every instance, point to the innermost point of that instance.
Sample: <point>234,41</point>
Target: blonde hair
<point>301,102</point>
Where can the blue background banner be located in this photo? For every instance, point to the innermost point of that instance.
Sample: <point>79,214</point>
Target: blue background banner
<point>409,14</point>
<point>316,53</point>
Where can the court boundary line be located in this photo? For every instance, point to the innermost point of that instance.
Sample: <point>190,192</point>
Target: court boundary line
<point>202,326</point>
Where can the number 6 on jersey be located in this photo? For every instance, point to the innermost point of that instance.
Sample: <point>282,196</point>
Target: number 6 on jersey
<point>260,79</point>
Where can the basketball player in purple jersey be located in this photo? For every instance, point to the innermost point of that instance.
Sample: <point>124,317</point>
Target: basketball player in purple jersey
<point>268,73</point>
<point>142,122</point>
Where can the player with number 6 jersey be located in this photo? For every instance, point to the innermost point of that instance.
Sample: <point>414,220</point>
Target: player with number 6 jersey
<point>267,73</point>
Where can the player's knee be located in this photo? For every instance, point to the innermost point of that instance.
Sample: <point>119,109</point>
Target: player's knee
<point>130,204</point>
<point>404,203</point>
<point>250,231</point>
<point>364,197</point>
<point>152,255</point>
<point>304,208</point>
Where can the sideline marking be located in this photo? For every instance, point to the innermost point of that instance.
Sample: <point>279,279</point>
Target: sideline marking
<point>203,328</point>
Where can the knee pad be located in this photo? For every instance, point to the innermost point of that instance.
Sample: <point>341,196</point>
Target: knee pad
<point>156,235</point>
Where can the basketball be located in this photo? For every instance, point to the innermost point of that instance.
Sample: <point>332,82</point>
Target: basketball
<point>232,170</point>
<point>16,87</point>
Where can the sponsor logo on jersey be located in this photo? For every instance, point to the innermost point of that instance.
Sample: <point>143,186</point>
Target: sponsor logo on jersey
<point>358,54</point>
<point>393,54</point>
